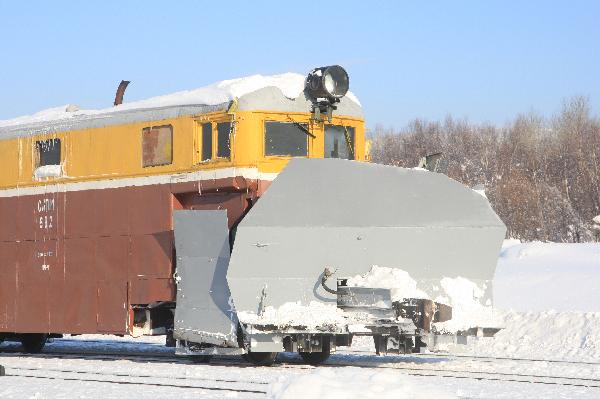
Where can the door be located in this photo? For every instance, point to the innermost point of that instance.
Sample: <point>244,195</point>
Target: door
<point>204,312</point>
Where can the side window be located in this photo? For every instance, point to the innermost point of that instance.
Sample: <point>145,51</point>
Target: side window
<point>206,142</point>
<point>157,146</point>
<point>286,139</point>
<point>224,140</point>
<point>339,142</point>
<point>47,152</point>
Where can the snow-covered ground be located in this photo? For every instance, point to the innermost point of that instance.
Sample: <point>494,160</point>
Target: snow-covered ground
<point>541,276</point>
<point>545,299</point>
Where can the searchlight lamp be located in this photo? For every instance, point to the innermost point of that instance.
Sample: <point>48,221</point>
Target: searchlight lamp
<point>325,86</point>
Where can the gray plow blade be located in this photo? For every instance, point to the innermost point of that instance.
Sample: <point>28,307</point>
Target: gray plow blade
<point>348,216</point>
<point>204,310</point>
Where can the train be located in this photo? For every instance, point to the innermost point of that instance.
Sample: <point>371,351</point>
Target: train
<point>226,218</point>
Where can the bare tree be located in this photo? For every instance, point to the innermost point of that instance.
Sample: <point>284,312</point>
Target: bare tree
<point>542,176</point>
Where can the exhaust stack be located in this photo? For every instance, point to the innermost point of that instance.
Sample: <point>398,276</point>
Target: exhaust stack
<point>121,92</point>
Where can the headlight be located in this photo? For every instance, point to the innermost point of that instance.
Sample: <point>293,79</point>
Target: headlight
<point>327,83</point>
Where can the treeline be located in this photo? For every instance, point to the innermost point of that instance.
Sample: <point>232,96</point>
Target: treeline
<point>542,176</point>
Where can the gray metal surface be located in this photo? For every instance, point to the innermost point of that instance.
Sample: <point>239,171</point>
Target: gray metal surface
<point>204,310</point>
<point>262,342</point>
<point>348,215</point>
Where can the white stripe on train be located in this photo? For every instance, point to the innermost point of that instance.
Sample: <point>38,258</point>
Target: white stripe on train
<point>66,186</point>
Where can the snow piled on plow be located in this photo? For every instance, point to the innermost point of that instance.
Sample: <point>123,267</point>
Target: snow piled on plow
<point>462,294</point>
<point>400,283</point>
<point>315,315</point>
<point>467,310</point>
<point>353,383</point>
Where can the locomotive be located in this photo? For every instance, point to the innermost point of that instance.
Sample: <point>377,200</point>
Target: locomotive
<point>228,218</point>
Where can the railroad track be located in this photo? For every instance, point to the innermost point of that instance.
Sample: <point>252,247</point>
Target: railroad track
<point>189,383</point>
<point>453,356</point>
<point>481,375</point>
<point>425,370</point>
<point>515,359</point>
<point>160,355</point>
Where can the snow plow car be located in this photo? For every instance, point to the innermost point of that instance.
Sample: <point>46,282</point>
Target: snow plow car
<point>236,219</point>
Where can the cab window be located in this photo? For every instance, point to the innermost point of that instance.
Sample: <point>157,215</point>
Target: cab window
<point>224,140</point>
<point>48,152</point>
<point>206,142</point>
<point>286,139</point>
<point>339,142</point>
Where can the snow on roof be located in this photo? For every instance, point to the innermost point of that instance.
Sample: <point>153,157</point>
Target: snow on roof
<point>291,86</point>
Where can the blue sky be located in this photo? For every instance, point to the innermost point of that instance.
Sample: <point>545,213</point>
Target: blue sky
<point>485,61</point>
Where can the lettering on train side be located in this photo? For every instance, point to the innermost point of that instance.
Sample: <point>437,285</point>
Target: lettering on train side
<point>45,205</point>
<point>45,222</point>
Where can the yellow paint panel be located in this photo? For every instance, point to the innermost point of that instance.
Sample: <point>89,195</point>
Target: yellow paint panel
<point>9,156</point>
<point>116,151</point>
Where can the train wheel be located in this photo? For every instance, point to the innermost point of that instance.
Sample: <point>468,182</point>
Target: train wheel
<point>200,358</point>
<point>33,343</point>
<point>315,358</point>
<point>261,358</point>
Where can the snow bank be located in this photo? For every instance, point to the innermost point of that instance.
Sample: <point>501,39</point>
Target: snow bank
<point>544,335</point>
<point>351,383</point>
<point>290,84</point>
<point>315,314</point>
<point>543,276</point>
<point>546,298</point>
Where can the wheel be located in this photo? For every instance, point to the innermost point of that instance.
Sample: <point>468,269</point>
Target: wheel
<point>261,358</point>
<point>200,359</point>
<point>33,343</point>
<point>315,358</point>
